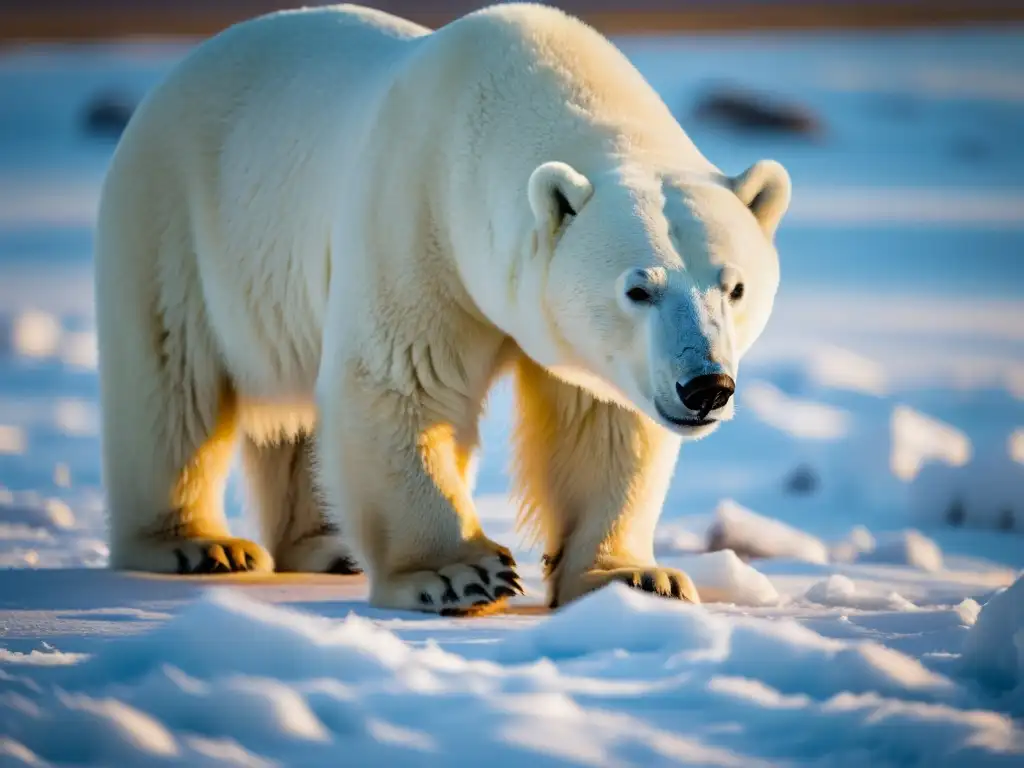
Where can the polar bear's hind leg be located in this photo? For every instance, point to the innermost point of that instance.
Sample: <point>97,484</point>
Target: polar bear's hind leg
<point>169,411</point>
<point>293,519</point>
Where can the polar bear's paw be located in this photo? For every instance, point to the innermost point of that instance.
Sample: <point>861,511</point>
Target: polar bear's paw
<point>325,553</point>
<point>478,585</point>
<point>664,582</point>
<point>196,556</point>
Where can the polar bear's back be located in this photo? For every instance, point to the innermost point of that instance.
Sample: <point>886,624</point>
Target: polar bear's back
<point>228,174</point>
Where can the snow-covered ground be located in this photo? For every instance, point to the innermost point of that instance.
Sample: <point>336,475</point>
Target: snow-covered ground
<point>865,509</point>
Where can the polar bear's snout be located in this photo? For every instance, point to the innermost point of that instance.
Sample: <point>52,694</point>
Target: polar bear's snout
<point>698,403</point>
<point>706,393</point>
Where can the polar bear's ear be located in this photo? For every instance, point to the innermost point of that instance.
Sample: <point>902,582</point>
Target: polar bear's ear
<point>765,188</point>
<point>556,191</point>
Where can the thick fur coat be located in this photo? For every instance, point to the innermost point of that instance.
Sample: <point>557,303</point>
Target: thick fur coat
<point>328,232</point>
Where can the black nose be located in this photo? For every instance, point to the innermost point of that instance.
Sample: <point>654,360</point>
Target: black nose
<point>704,394</point>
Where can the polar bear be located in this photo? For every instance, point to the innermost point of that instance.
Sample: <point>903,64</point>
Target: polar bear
<point>329,231</point>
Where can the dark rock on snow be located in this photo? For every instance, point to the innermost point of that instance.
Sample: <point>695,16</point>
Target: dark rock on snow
<point>748,111</point>
<point>106,115</point>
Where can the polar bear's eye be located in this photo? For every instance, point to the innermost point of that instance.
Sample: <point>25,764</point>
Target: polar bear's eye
<point>639,295</point>
<point>737,292</point>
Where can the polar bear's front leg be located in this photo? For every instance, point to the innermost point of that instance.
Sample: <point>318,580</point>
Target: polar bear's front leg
<point>593,477</point>
<point>396,474</point>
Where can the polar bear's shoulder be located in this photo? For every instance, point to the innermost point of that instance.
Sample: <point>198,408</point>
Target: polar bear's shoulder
<point>527,45</point>
<point>529,25</point>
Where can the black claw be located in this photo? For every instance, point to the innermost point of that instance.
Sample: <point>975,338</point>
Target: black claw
<point>647,583</point>
<point>183,564</point>
<point>475,589</point>
<point>485,577</point>
<point>677,589</point>
<point>343,566</point>
<point>501,591</point>
<point>209,565</point>
<point>506,559</point>
<point>449,595</point>
<point>512,579</point>
<point>426,599</point>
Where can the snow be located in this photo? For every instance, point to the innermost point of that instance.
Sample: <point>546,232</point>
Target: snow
<point>909,547</point>
<point>839,591</point>
<point>863,604</point>
<point>577,688</point>
<point>994,650</point>
<point>984,492</point>
<point>744,531</point>
<point>918,439</point>
<point>799,418</point>
<point>722,577</point>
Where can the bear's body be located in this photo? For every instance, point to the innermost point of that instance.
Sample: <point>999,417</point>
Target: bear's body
<point>332,229</point>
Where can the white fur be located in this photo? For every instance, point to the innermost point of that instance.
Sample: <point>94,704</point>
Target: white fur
<point>330,230</point>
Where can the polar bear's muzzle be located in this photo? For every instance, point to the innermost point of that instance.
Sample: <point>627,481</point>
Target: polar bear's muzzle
<point>699,402</point>
<point>706,393</point>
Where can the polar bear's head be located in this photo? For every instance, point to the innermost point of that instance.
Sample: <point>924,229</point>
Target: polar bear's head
<point>655,285</point>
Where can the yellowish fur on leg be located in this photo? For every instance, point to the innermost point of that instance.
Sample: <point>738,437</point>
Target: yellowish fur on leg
<point>294,520</point>
<point>399,469</point>
<point>593,477</point>
<point>193,537</point>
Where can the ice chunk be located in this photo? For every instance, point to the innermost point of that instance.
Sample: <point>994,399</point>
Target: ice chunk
<point>994,650</point>
<point>908,547</point>
<point>751,535</point>
<point>838,591</point>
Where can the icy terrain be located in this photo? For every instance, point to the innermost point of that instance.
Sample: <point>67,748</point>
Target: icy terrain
<point>865,509</point>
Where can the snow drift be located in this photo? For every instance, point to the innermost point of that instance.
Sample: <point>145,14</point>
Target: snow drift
<point>232,681</point>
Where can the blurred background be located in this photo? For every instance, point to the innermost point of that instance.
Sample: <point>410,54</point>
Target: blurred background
<point>886,396</point>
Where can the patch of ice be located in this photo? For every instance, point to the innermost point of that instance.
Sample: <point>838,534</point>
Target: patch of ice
<point>798,418</point>
<point>984,493</point>
<point>18,754</point>
<point>994,651</point>
<point>981,82</point>
<point>838,591</point>
<point>36,334</point>
<point>61,475</point>
<point>12,440</point>
<point>875,205</point>
<point>908,547</point>
<point>722,577</point>
<point>77,417</point>
<point>49,514</point>
<point>78,350</point>
<point>838,368</point>
<point>673,539</point>
<point>751,535</point>
<point>1015,445</point>
<point>50,658</point>
<point>19,557</point>
<point>857,542</point>
<point>968,610</point>
<point>918,439</point>
<point>22,532</point>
